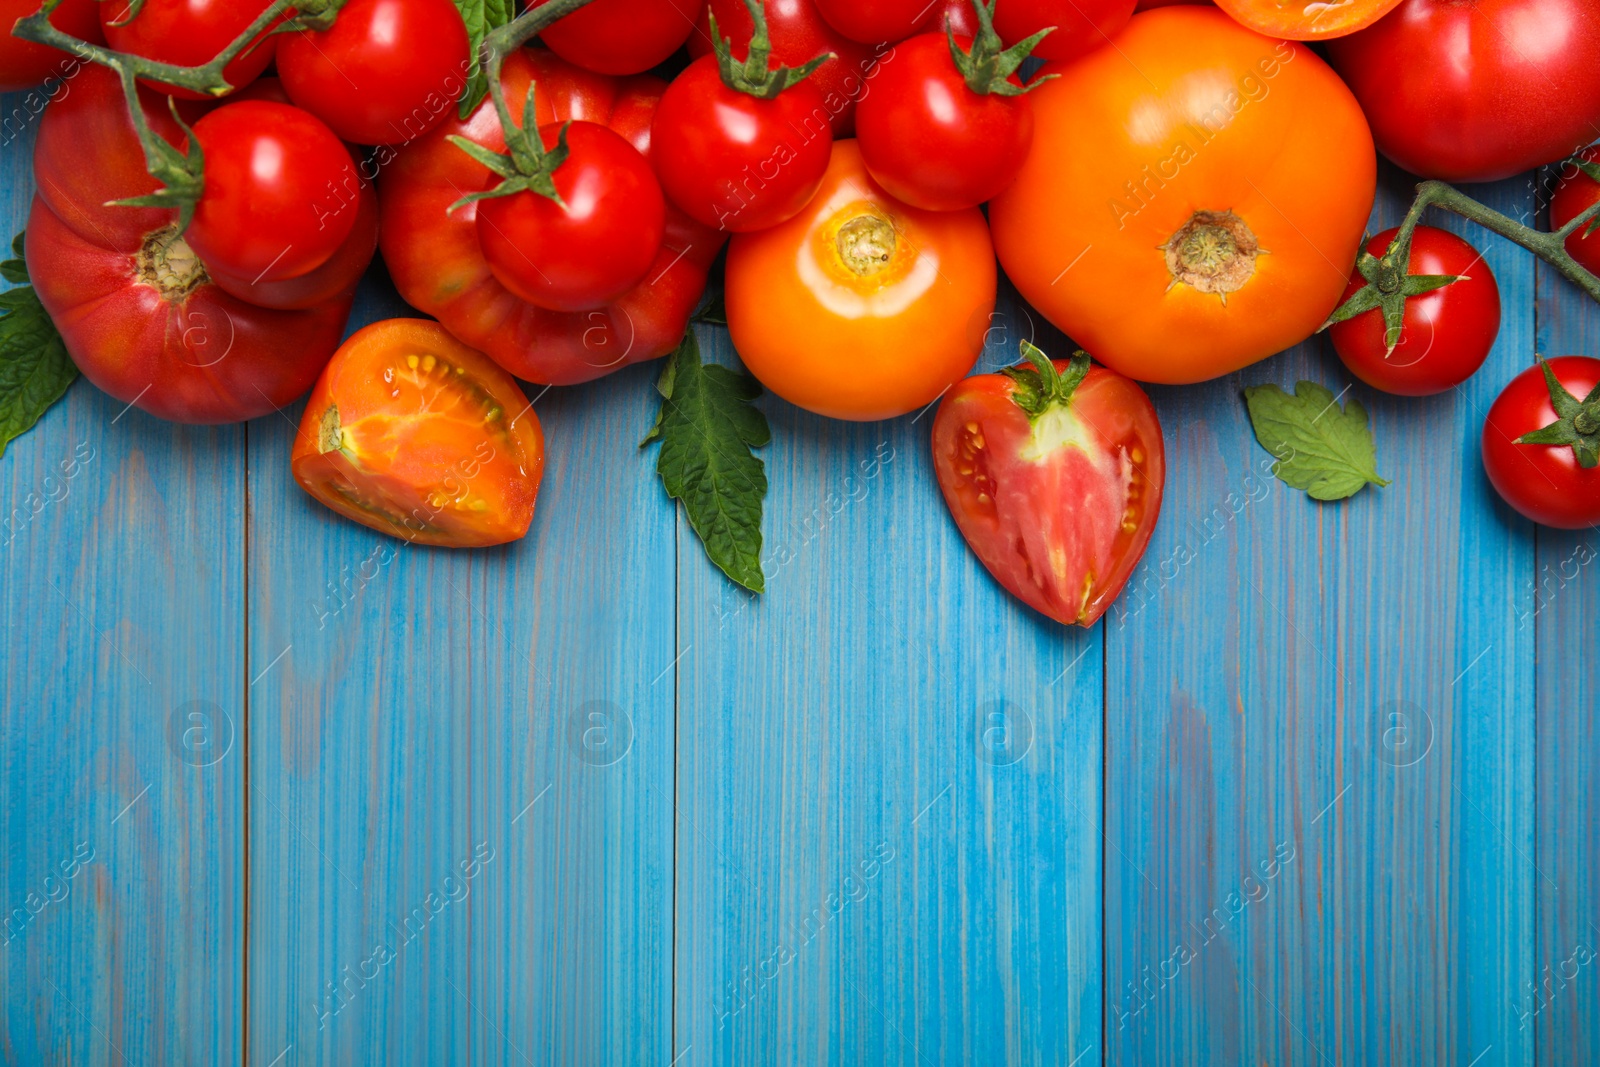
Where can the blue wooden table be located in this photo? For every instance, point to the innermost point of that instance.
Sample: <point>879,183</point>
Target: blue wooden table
<point>1319,790</point>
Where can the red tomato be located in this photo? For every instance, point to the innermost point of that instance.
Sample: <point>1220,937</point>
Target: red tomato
<point>439,266</point>
<point>1575,194</point>
<point>621,36</point>
<point>385,71</point>
<point>188,33</point>
<point>280,191</point>
<point>594,245</point>
<point>736,161</point>
<point>24,64</point>
<point>139,314</point>
<point>1447,333</point>
<point>1474,92</point>
<point>1548,482</point>
<point>800,34</point>
<point>1081,26</point>
<point>413,434</point>
<point>871,21</point>
<point>1054,479</point>
<point>955,15</point>
<point>932,141</point>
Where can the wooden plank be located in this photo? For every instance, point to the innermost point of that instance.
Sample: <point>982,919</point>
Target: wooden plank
<point>888,779</point>
<point>1320,753</point>
<point>121,683</point>
<point>442,871</point>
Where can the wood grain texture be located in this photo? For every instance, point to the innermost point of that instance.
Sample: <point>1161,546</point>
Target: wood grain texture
<point>121,939</point>
<point>1319,762</point>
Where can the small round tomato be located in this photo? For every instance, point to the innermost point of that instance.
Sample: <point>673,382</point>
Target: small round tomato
<point>592,245</point>
<point>934,141</point>
<point>1446,333</point>
<point>1054,473</point>
<point>386,70</point>
<point>956,16</point>
<point>1307,22</point>
<point>621,36</point>
<point>188,33</point>
<point>280,192</point>
<point>1576,193</point>
<point>860,306</point>
<point>413,434</point>
<point>1554,478</point>
<point>24,64</point>
<point>1081,26</point>
<point>733,160</point>
<point>872,21</point>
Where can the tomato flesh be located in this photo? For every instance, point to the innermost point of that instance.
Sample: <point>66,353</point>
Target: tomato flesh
<point>413,434</point>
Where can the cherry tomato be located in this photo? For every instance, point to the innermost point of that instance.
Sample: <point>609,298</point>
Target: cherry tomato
<point>861,307</point>
<point>1306,21</point>
<point>1575,194</point>
<point>187,33</point>
<point>1081,26</point>
<point>1481,91</point>
<point>736,161</point>
<point>24,64</point>
<point>799,34</point>
<point>621,36</point>
<point>955,15</point>
<point>872,21</point>
<point>1054,474</point>
<point>933,142</point>
<point>385,71</point>
<point>280,191</point>
<point>1547,482</point>
<point>1193,198</point>
<point>1447,333</point>
<point>413,434</point>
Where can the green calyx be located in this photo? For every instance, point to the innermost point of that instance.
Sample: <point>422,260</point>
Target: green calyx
<point>1388,288</point>
<point>756,76</point>
<point>988,67</point>
<point>1040,387</point>
<point>1577,422</point>
<point>526,165</point>
<point>182,173</point>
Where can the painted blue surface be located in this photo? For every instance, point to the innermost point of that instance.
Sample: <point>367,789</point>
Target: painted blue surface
<point>272,794</point>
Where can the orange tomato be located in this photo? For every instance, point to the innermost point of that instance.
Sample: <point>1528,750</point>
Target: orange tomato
<point>1307,20</point>
<point>413,434</point>
<point>861,307</point>
<point>1193,200</point>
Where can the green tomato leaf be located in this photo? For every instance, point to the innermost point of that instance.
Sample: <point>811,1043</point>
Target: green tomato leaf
<point>34,367</point>
<point>1320,447</point>
<point>707,427</point>
<point>481,17</point>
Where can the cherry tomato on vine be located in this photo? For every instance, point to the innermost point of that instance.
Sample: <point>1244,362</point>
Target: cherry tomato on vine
<point>593,245</point>
<point>413,434</point>
<point>188,33</point>
<point>24,64</point>
<point>1054,473</point>
<point>386,71</point>
<point>872,21</point>
<point>621,36</point>
<point>1541,442</point>
<point>1081,26</point>
<point>1446,332</point>
<point>1578,191</point>
<point>281,192</point>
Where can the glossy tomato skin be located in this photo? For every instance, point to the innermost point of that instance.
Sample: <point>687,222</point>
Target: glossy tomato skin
<point>415,435</point>
<point>1575,194</point>
<point>280,193</point>
<point>872,21</point>
<point>1447,333</point>
<point>621,36</point>
<point>1543,482</point>
<point>385,71</point>
<point>733,161</point>
<point>24,64</point>
<point>1477,92</point>
<point>931,141</point>
<point>1307,22</point>
<point>1081,26</point>
<point>955,15</point>
<point>592,248</point>
<point>152,330</point>
<point>799,34</point>
<point>1242,144</point>
<point>861,307</point>
<point>439,266</point>
<point>187,33</point>
<point>1058,510</point>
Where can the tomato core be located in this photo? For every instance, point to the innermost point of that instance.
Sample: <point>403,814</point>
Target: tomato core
<point>1214,252</point>
<point>167,263</point>
<point>866,244</point>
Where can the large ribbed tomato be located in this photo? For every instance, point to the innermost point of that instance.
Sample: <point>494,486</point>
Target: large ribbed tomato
<point>1194,198</point>
<point>439,266</point>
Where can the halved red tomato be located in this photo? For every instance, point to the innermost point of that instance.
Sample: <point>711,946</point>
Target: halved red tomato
<point>413,434</point>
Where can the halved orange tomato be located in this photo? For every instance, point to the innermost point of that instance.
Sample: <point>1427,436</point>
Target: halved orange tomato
<point>1307,20</point>
<point>413,434</point>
